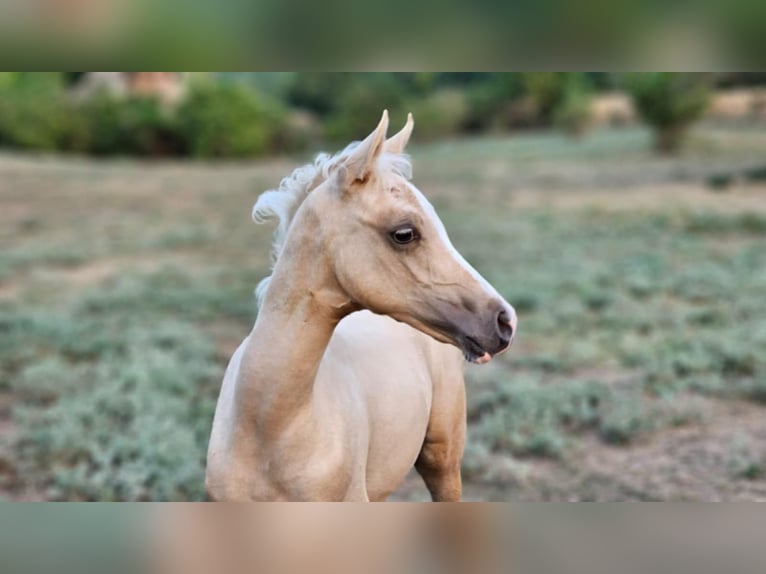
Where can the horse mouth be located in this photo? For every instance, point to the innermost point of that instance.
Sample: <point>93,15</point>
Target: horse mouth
<point>473,351</point>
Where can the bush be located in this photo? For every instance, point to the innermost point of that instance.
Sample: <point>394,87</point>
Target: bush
<point>215,120</point>
<point>489,101</point>
<point>317,92</point>
<point>130,126</point>
<point>560,98</point>
<point>37,113</point>
<point>325,94</point>
<point>440,115</point>
<point>545,90</point>
<point>231,120</point>
<point>530,100</point>
<point>670,103</point>
<point>572,111</point>
<point>359,107</point>
<point>37,116</point>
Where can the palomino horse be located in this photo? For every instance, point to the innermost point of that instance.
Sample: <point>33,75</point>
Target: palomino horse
<point>353,371</point>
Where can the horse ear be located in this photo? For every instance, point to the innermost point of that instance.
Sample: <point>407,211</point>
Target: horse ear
<point>397,143</point>
<point>360,163</point>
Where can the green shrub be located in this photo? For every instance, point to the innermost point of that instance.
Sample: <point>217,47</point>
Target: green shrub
<point>545,89</point>
<point>440,115</point>
<point>560,98</point>
<point>670,103</point>
<point>530,100</point>
<point>130,126</point>
<point>215,120</point>
<point>38,116</point>
<point>572,112</point>
<point>318,92</point>
<point>327,94</point>
<point>231,120</point>
<point>360,106</point>
<point>488,102</point>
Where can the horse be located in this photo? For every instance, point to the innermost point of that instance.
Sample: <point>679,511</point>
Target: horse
<point>353,371</point>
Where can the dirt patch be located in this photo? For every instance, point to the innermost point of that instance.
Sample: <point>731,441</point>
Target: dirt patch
<point>719,459</point>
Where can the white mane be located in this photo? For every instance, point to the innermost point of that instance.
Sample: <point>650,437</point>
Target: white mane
<point>283,202</point>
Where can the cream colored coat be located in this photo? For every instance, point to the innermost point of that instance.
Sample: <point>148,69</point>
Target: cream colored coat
<point>352,373</point>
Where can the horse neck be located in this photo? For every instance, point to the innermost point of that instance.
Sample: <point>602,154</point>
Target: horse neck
<point>300,309</point>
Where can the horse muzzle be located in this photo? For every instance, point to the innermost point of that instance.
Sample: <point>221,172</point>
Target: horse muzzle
<point>488,338</point>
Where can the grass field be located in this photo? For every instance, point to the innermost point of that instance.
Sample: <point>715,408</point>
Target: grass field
<point>639,372</point>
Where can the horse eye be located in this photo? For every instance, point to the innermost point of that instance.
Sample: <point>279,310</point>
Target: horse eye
<point>404,235</point>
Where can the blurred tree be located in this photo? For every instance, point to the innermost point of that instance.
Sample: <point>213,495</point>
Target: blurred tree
<point>230,120</point>
<point>358,106</point>
<point>514,100</point>
<point>318,92</point>
<point>670,103</point>
<point>489,100</point>
<point>35,113</point>
<point>572,110</point>
<point>129,125</point>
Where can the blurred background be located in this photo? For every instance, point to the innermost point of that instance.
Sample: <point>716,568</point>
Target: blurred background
<point>624,216</point>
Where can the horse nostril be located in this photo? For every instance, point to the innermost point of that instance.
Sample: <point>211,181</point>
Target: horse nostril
<point>504,327</point>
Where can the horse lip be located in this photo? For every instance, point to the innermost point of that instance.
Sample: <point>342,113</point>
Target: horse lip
<point>472,350</point>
